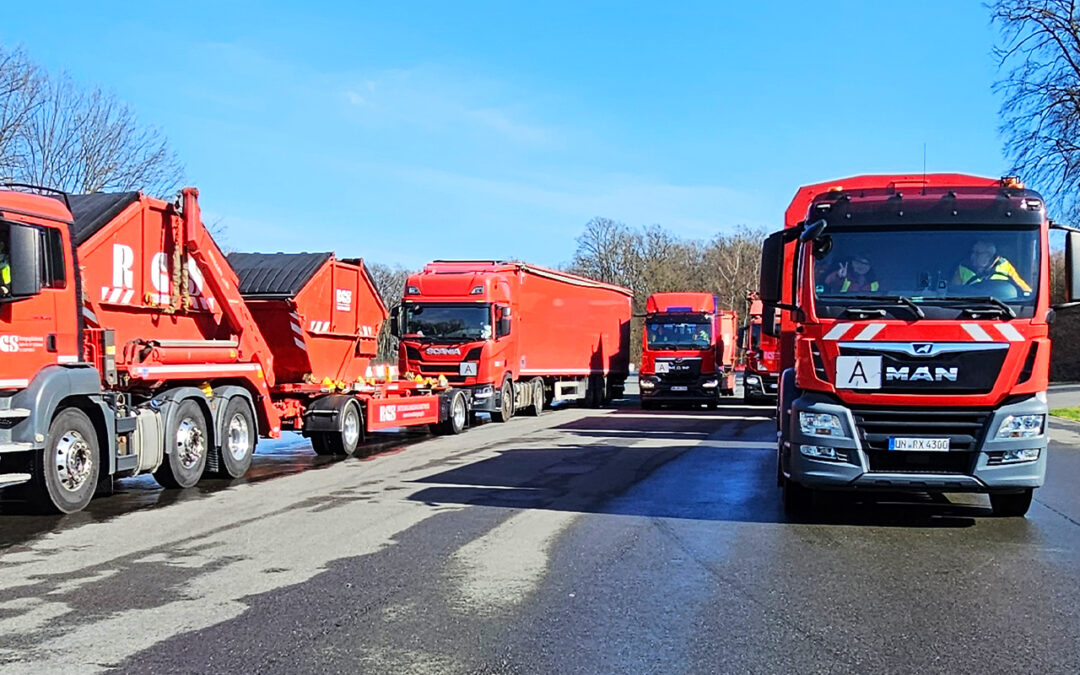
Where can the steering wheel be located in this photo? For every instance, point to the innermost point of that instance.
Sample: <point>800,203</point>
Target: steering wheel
<point>1002,289</point>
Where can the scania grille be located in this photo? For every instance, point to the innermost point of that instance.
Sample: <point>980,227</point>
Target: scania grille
<point>963,428</point>
<point>449,370</point>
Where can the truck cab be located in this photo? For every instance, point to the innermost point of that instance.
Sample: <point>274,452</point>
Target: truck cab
<point>913,337</point>
<point>687,351</point>
<point>761,375</point>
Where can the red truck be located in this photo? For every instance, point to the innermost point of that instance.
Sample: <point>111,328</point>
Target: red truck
<point>132,346</point>
<point>515,336</point>
<point>914,341</point>
<point>761,375</point>
<point>688,350</point>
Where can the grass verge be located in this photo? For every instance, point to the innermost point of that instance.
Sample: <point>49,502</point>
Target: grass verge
<point>1068,413</point>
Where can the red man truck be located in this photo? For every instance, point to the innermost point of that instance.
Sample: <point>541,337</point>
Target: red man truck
<point>515,336</point>
<point>130,347</point>
<point>913,337</point>
<point>688,350</point>
<point>761,376</point>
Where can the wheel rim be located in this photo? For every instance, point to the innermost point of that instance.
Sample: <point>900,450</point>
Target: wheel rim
<point>538,397</point>
<point>74,461</point>
<point>459,412</point>
<point>190,443</point>
<point>507,401</point>
<point>351,428</point>
<point>239,437</point>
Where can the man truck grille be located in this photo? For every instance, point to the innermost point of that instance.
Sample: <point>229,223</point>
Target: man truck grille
<point>964,429</point>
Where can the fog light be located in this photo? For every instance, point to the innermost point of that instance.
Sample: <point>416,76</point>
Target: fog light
<point>647,384</point>
<point>822,452</point>
<point>711,384</point>
<point>1015,456</point>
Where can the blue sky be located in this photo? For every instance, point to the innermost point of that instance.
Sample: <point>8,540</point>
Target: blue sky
<point>404,132</point>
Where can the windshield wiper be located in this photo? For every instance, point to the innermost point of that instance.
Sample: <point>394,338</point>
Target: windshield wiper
<point>996,303</point>
<point>888,300</point>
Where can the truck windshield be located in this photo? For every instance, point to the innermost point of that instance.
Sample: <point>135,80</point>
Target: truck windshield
<point>448,322</point>
<point>927,272</point>
<point>665,334</point>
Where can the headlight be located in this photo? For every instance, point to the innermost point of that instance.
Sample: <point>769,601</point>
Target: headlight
<point>820,424</point>
<point>647,384</point>
<point>711,384</point>
<point>1021,426</point>
<point>751,379</point>
<point>483,392</point>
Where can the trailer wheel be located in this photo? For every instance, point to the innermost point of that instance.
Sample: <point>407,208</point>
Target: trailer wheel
<point>65,473</point>
<point>346,441</point>
<point>238,442</point>
<point>187,443</point>
<point>1012,504</point>
<point>537,397</point>
<point>506,403</point>
<point>321,445</point>
<point>459,414</point>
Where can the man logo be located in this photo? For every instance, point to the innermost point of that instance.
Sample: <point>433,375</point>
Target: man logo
<point>922,348</point>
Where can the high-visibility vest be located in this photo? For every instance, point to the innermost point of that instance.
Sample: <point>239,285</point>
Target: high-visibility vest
<point>847,284</point>
<point>1002,270</point>
<point>5,273</point>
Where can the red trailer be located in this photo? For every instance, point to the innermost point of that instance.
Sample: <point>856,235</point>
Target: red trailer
<point>688,350</point>
<point>139,352</point>
<point>515,336</point>
<point>762,373</point>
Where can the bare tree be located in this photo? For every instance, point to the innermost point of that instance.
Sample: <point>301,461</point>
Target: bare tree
<point>604,251</point>
<point>390,283</point>
<point>1039,53</point>
<point>20,98</point>
<point>81,140</point>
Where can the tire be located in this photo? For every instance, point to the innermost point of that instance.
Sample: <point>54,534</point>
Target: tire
<point>798,499</point>
<point>455,422</point>
<point>238,438</point>
<point>346,441</point>
<point>187,444</point>
<point>65,474</point>
<point>1013,504</point>
<point>648,405</point>
<point>321,445</point>
<point>506,403</point>
<point>537,397</point>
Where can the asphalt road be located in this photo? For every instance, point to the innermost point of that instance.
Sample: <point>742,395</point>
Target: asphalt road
<point>585,541</point>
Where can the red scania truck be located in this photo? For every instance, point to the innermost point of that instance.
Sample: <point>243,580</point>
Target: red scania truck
<point>913,335</point>
<point>688,350</point>
<point>515,336</point>
<point>761,375</point>
<point>131,346</point>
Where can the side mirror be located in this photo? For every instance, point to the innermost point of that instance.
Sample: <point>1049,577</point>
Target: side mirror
<point>395,321</point>
<point>741,341</point>
<point>25,260</point>
<point>769,324</point>
<point>813,231</point>
<point>772,269</point>
<point>502,329</point>
<point>1072,269</point>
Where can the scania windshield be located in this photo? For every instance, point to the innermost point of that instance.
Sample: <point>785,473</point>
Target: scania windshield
<point>666,333</point>
<point>926,272</point>
<point>447,322</point>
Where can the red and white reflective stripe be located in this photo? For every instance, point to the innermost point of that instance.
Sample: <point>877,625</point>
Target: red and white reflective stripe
<point>1009,332</point>
<point>320,326</point>
<point>12,384</point>
<point>67,359</point>
<point>838,331</point>
<point>977,332</point>
<point>116,296</point>
<point>867,333</point>
<point>196,369</point>
<point>90,317</point>
<point>300,343</point>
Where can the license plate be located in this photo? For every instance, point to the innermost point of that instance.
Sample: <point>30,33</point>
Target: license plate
<point>678,388</point>
<point>920,444</point>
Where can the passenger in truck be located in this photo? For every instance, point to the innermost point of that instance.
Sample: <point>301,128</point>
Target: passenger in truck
<point>5,267</point>
<point>854,276</point>
<point>984,264</point>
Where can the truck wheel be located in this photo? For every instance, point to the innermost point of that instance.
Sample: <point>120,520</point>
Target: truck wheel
<point>321,445</point>
<point>187,443</point>
<point>238,442</point>
<point>646,404</point>
<point>348,439</point>
<point>1011,505</point>
<point>459,413</point>
<point>65,473</point>
<point>537,397</point>
<point>506,407</point>
<point>798,499</point>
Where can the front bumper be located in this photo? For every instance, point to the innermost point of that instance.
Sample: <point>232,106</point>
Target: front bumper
<point>692,391</point>
<point>977,469</point>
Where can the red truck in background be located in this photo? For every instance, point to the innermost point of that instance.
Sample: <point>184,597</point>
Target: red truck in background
<point>761,376</point>
<point>131,346</point>
<point>914,344</point>
<point>515,336</point>
<point>688,350</point>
